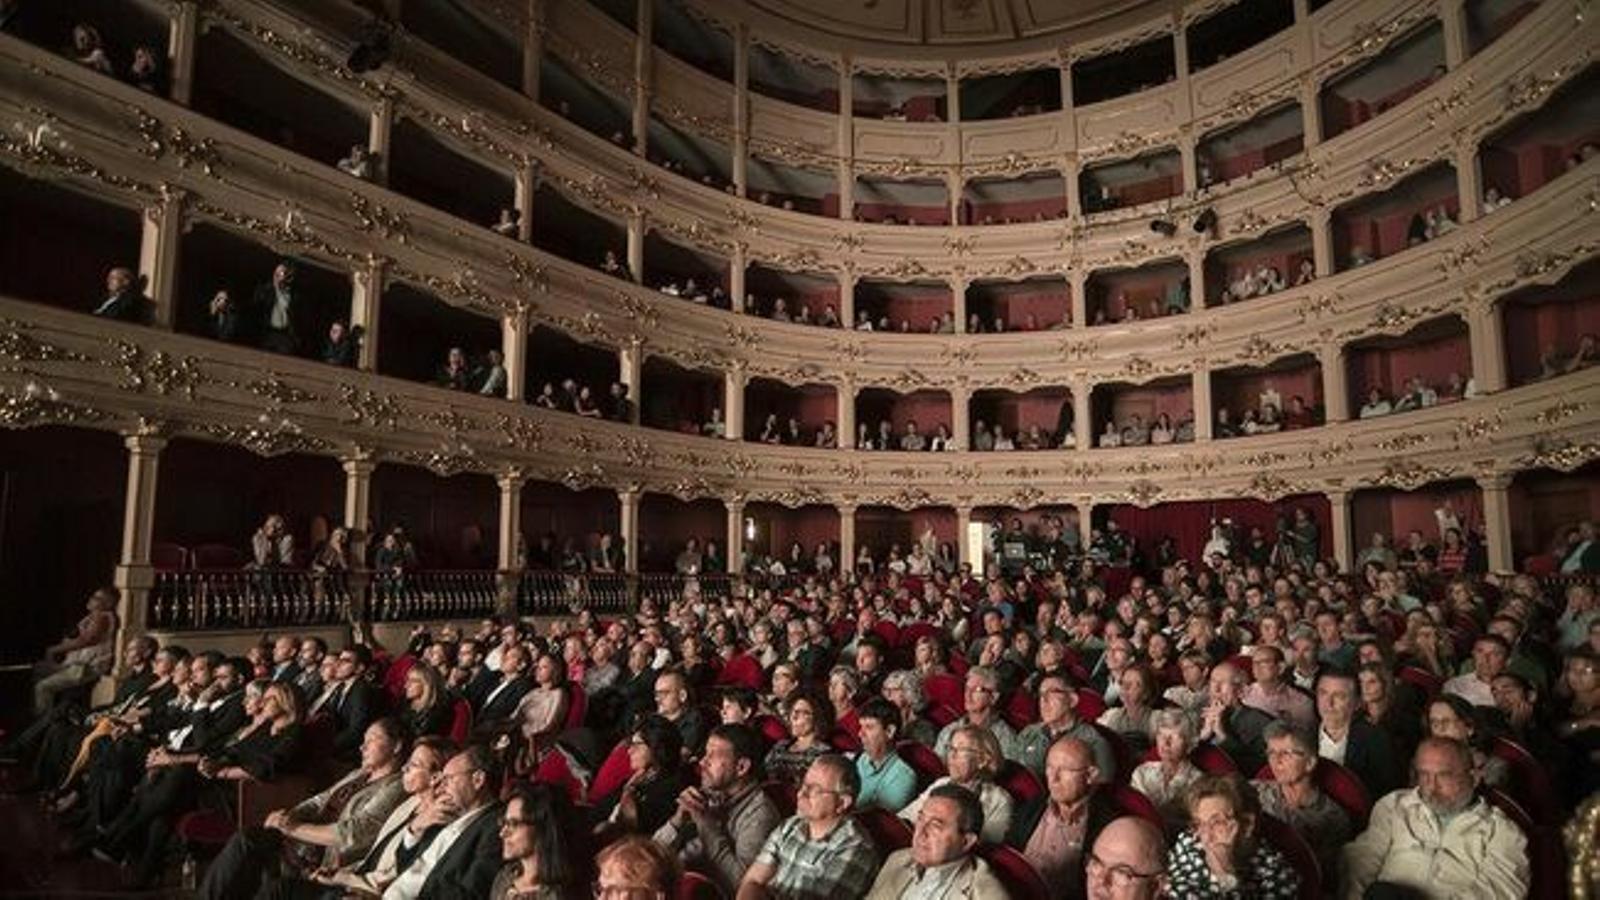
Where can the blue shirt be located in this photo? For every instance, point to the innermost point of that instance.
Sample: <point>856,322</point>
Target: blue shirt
<point>889,785</point>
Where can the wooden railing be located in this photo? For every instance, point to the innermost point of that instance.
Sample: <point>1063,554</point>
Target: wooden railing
<point>433,594</point>
<point>209,599</point>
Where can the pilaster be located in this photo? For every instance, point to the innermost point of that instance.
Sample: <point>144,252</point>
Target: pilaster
<point>1204,415</point>
<point>733,385</point>
<point>1487,339</point>
<point>958,301</point>
<point>1453,18</point>
<point>1079,299</point>
<point>1496,490</point>
<point>380,137</point>
<point>735,538</point>
<point>630,371</point>
<point>366,305</point>
<point>509,557</point>
<point>738,276</point>
<point>961,416</point>
<point>643,50</point>
<point>628,500</point>
<point>1196,258</point>
<point>134,576</point>
<point>845,401</point>
<point>847,537</point>
<point>183,36</point>
<point>533,49</point>
<point>847,139</point>
<point>1311,109</point>
<point>1469,182</point>
<point>741,109</point>
<point>1083,429</point>
<point>161,233</point>
<point>636,232</point>
<point>963,542</point>
<point>514,347</point>
<point>1339,521</point>
<point>847,300</point>
<point>1335,386</point>
<point>1321,222</point>
<point>527,185</point>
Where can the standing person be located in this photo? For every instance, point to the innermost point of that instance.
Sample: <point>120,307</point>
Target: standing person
<point>281,311</point>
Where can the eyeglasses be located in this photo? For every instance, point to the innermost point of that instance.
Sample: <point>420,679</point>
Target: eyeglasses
<point>1122,876</point>
<point>806,790</point>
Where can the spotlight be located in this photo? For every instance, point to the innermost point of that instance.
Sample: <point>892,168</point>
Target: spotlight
<point>371,49</point>
<point>1163,227</point>
<point>1205,221</point>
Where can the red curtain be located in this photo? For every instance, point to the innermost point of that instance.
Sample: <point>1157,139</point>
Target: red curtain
<point>1189,523</point>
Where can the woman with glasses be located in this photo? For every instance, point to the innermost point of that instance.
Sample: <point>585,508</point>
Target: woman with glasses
<point>538,858</point>
<point>810,722</point>
<point>1292,796</point>
<point>1219,856</point>
<point>1449,716</point>
<point>649,796</point>
<point>972,759</point>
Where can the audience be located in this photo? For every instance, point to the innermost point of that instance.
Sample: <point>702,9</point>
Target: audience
<point>1220,854</point>
<point>819,852</point>
<point>941,858</point>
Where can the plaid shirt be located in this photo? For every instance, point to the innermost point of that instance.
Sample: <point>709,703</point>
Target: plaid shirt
<point>841,866</point>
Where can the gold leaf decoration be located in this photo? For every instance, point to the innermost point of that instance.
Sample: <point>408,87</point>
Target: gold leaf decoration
<point>37,405</point>
<point>157,372</point>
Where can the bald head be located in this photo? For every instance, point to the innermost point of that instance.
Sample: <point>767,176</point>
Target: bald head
<point>1130,846</point>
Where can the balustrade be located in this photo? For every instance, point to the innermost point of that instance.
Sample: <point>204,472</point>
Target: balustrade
<point>209,599</point>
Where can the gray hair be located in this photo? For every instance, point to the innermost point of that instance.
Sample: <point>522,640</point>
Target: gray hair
<point>850,677</point>
<point>1175,720</point>
<point>910,682</point>
<point>986,675</point>
<point>1303,741</point>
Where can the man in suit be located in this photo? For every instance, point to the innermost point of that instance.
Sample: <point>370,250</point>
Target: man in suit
<point>941,853</point>
<point>124,302</point>
<point>471,677</point>
<point>280,311</point>
<point>355,703</point>
<point>1354,743</point>
<point>501,701</point>
<point>1229,724</point>
<point>1052,829</point>
<point>285,659</point>
<point>464,858</point>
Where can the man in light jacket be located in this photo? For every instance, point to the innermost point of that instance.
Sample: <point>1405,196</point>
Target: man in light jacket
<point>940,863</point>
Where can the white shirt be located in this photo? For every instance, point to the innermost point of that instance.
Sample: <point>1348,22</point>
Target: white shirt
<point>409,884</point>
<point>1330,749</point>
<point>1470,688</point>
<point>1478,854</point>
<point>279,318</point>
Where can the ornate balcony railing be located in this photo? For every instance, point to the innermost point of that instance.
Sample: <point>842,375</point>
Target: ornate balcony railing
<point>208,599</point>
<point>433,594</point>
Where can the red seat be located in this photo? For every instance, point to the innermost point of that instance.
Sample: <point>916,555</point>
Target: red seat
<point>1091,705</point>
<point>743,670</point>
<point>843,741</point>
<point>944,690</point>
<point>1342,787</point>
<point>613,772</point>
<point>887,830</point>
<point>554,770</point>
<point>167,557</point>
<point>889,631</point>
<point>1213,760</point>
<point>577,705</point>
<point>1130,802</point>
<point>959,665</point>
<point>218,556</point>
<point>1014,871</point>
<point>1019,781</point>
<point>1296,850</point>
<point>1547,855</point>
<point>922,760</point>
<point>460,721</point>
<point>1530,783</point>
<point>1021,709</point>
<point>772,728</point>
<point>782,794</point>
<point>694,886</point>
<point>1422,679</point>
<point>916,631</point>
<point>1119,749</point>
<point>394,677</point>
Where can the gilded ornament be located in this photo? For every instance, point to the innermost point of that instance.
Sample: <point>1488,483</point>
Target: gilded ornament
<point>1144,492</point>
<point>741,465</point>
<point>1195,337</point>
<point>1560,454</point>
<point>370,408</point>
<point>518,433</point>
<point>1408,474</point>
<point>1480,428</point>
<point>449,420</point>
<point>1564,409</point>
<point>532,276</point>
<point>1469,254</point>
<point>1271,487</point>
<point>278,392</point>
<point>1081,471</point>
<point>1025,497</point>
<point>964,473</point>
<point>851,472</point>
<point>1264,459</point>
<point>1318,306</point>
<point>1137,367</point>
<point>37,405</point>
<point>1402,442</point>
<point>157,372</point>
<point>637,452</point>
<point>580,478</point>
<point>959,246</point>
<point>19,346</point>
<point>1142,466</point>
<point>268,437</point>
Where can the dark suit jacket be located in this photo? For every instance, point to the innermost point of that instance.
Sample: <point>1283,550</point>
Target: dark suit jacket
<point>214,727</point>
<point>266,297</point>
<point>1374,759</point>
<point>1026,818</point>
<point>128,306</point>
<point>504,703</point>
<point>479,686</point>
<point>467,869</point>
<point>362,703</point>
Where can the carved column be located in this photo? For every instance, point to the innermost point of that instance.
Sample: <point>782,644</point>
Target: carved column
<point>366,304</point>
<point>630,371</point>
<point>527,186</point>
<point>952,187</point>
<point>1322,241</point>
<point>1196,259</point>
<point>952,91</point>
<point>1339,521</point>
<point>380,134</point>
<point>509,557</point>
<point>1469,182</point>
<point>1188,162</point>
<point>1335,386</point>
<point>134,576</point>
<point>961,417</point>
<point>1204,415</point>
<point>737,276</point>
<point>1496,490</point>
<point>963,543</point>
<point>1453,16</point>
<point>1487,339</point>
<point>533,49</point>
<point>159,238</point>
<point>514,347</point>
<point>741,109</point>
<point>1082,414</point>
<point>636,232</point>
<point>735,541</point>
<point>358,468</point>
<point>1079,278</point>
<point>183,36</point>
<point>643,51</point>
<point>847,537</point>
<point>733,384</point>
<point>847,299</point>
<point>847,140</point>
<point>958,300</point>
<point>1311,108</point>
<point>845,400</point>
<point>628,499</point>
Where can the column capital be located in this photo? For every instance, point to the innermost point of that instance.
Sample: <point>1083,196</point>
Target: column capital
<point>358,462</point>
<point>846,509</point>
<point>148,436</point>
<point>511,479</point>
<point>1494,480</point>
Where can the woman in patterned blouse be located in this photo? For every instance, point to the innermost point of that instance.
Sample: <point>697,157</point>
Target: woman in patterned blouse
<point>1218,857</point>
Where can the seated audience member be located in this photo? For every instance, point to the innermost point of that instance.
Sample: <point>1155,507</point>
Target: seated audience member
<point>1490,654</point>
<point>454,374</point>
<point>1270,694</point>
<point>1227,723</point>
<point>124,301</point>
<point>343,345</point>
<point>260,750</point>
<point>1220,854</point>
<point>981,701</point>
<point>464,856</point>
<point>810,718</point>
<point>83,658</point>
<point>887,781</point>
<point>635,867</point>
<point>359,163</point>
<point>1451,717</point>
<point>1058,718</point>
<point>1165,778</point>
<point>1438,839</point>
<point>1130,716</point>
<point>427,703</point>
<point>1052,829</point>
<point>1292,795</point>
<point>88,49</point>
<point>509,224</point>
<point>342,822</point>
<point>1351,741</point>
<point>490,377</point>
<point>1377,405</point>
<point>1127,862</point>
<point>501,702</point>
<point>675,703</point>
<point>903,688</point>
<point>720,826</point>
<point>145,72</point>
<point>941,861</point>
<point>540,856</point>
<point>820,852</point>
<point>647,799</point>
<point>973,759</point>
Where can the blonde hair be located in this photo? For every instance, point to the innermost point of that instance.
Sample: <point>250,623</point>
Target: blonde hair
<point>988,743</point>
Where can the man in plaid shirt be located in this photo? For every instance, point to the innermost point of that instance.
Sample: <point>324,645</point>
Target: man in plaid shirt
<point>820,853</point>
